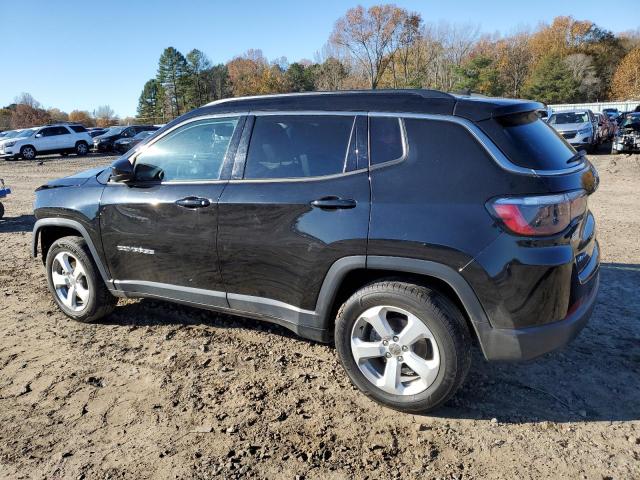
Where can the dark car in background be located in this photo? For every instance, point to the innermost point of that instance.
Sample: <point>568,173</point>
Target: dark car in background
<point>95,132</point>
<point>106,141</point>
<point>125,144</point>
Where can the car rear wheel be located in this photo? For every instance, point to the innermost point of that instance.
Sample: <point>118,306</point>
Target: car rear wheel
<point>75,283</point>
<point>28,152</point>
<point>406,346</point>
<point>82,148</point>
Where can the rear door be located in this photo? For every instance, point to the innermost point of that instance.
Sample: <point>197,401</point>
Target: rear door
<point>65,138</point>
<point>298,201</point>
<point>159,231</point>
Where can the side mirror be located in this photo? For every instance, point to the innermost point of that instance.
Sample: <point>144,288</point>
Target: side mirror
<point>38,135</point>
<point>122,171</point>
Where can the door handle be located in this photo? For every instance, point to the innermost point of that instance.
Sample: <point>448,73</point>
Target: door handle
<point>193,202</point>
<point>333,203</point>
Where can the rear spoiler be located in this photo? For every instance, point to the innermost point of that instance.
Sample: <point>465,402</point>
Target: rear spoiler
<point>478,109</point>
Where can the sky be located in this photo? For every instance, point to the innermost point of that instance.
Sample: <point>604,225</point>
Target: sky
<point>73,54</point>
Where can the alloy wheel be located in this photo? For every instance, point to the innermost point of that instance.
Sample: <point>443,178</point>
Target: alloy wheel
<point>70,281</point>
<point>28,153</point>
<point>395,350</point>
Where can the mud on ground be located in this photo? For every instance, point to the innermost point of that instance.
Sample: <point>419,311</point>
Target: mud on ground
<point>165,391</point>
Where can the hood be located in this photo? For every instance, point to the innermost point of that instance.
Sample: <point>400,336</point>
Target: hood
<point>110,136</point>
<point>73,180</point>
<point>565,127</point>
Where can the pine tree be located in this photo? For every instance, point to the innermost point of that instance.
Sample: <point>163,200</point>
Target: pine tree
<point>173,75</point>
<point>150,105</point>
<point>198,64</point>
<point>552,81</point>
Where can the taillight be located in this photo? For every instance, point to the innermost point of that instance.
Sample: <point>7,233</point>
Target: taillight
<point>539,215</point>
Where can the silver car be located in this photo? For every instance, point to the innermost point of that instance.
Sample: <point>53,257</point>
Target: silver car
<point>578,127</point>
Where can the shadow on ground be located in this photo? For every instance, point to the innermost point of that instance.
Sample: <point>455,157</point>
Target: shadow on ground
<point>23,223</point>
<point>595,378</point>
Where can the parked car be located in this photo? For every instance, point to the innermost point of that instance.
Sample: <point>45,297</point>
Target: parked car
<point>105,142</point>
<point>125,144</point>
<point>401,225</point>
<point>606,127</point>
<point>578,127</point>
<point>612,113</point>
<point>62,139</point>
<point>627,139</point>
<point>95,132</point>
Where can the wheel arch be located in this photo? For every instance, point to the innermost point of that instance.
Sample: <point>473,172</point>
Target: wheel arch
<point>48,230</point>
<point>349,274</point>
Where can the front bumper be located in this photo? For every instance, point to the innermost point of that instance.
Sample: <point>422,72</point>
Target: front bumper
<point>103,147</point>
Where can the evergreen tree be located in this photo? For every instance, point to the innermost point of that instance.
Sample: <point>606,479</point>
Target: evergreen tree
<point>197,64</point>
<point>150,103</point>
<point>479,75</point>
<point>552,81</point>
<point>173,75</point>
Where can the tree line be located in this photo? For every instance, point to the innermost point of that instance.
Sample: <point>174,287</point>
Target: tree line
<point>385,46</point>
<point>27,112</point>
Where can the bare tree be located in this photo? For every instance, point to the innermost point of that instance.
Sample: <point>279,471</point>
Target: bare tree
<point>27,99</point>
<point>372,36</point>
<point>105,116</point>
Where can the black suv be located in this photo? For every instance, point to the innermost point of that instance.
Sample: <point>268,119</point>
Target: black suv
<point>105,141</point>
<point>401,225</point>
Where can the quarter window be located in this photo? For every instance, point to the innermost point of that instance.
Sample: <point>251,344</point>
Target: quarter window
<point>294,146</point>
<point>195,151</point>
<point>385,138</point>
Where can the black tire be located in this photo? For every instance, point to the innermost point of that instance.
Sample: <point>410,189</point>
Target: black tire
<point>100,302</point>
<point>1,210</point>
<point>82,148</point>
<point>28,152</point>
<point>442,318</point>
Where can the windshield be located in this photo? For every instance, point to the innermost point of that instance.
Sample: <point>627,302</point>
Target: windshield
<point>25,133</point>
<point>568,117</point>
<point>113,130</point>
<point>631,119</point>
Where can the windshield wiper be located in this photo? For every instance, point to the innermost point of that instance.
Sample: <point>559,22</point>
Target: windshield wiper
<point>579,155</point>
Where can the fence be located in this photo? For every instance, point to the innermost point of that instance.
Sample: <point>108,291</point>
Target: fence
<point>627,106</point>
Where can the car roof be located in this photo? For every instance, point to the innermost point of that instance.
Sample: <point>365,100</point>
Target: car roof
<point>421,101</point>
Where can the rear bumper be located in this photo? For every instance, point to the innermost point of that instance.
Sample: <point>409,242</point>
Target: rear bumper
<point>531,342</point>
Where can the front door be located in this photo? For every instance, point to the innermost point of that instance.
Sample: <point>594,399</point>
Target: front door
<point>159,232</point>
<point>300,202</point>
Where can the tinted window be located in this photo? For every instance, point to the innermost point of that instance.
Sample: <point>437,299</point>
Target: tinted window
<point>78,128</point>
<point>291,146</point>
<point>194,151</point>
<point>385,137</point>
<point>61,131</point>
<point>48,132</point>
<point>529,142</point>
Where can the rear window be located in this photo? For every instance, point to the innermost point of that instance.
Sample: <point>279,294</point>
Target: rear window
<point>529,142</point>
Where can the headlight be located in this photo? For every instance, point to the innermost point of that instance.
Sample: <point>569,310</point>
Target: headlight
<point>9,144</point>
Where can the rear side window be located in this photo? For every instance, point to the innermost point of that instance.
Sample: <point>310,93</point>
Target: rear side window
<point>294,146</point>
<point>78,128</point>
<point>385,138</point>
<point>529,142</point>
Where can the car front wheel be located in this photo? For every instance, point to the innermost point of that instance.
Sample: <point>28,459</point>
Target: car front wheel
<point>404,345</point>
<point>75,283</point>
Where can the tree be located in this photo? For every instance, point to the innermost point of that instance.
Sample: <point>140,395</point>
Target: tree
<point>27,99</point>
<point>246,73</point>
<point>514,62</point>
<point>5,119</point>
<point>300,78</point>
<point>25,116</point>
<point>57,115</point>
<point>105,116</point>
<point>150,103</point>
<point>552,82</point>
<point>480,75</point>
<point>331,74</point>
<point>83,117</point>
<point>217,81</point>
<point>197,66</point>
<point>584,72</point>
<point>626,81</point>
<point>173,76</point>
<point>372,36</point>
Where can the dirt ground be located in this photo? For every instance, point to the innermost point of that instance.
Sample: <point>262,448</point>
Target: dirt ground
<point>165,391</point>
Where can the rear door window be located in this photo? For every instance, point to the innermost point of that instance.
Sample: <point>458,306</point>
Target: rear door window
<point>529,142</point>
<point>385,138</point>
<point>294,146</point>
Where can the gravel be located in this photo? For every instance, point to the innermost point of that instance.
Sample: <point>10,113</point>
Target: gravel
<point>165,391</point>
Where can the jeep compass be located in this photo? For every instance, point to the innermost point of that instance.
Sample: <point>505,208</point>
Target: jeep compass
<point>403,226</point>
